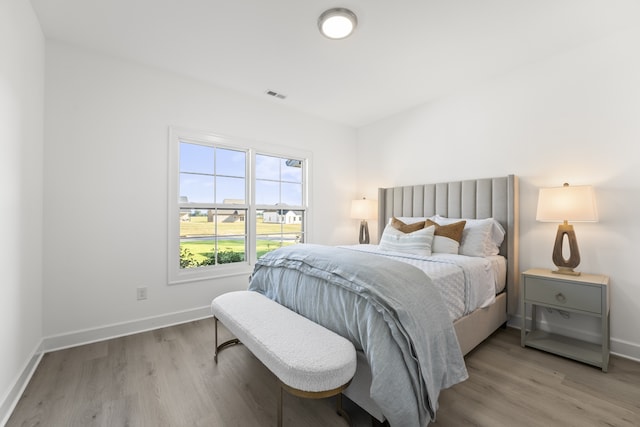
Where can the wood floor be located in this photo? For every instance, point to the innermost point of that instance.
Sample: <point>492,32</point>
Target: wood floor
<point>167,377</point>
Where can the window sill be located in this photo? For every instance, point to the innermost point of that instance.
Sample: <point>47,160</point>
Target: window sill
<point>181,277</point>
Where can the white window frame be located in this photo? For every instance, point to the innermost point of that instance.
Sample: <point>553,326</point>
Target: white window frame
<point>176,136</point>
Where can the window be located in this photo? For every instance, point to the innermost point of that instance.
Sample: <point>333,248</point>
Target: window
<point>278,183</point>
<point>230,203</point>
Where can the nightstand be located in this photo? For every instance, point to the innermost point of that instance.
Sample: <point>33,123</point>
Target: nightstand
<point>585,294</point>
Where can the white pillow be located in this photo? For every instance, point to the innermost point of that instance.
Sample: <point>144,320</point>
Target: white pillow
<point>481,237</point>
<point>445,245</point>
<point>416,243</point>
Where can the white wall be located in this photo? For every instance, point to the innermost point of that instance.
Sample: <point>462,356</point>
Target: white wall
<point>105,228</point>
<point>571,118</point>
<point>21,121</point>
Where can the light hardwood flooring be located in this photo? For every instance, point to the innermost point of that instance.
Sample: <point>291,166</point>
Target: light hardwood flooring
<point>167,377</point>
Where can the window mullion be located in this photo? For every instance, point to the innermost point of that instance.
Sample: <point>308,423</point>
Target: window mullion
<point>252,214</point>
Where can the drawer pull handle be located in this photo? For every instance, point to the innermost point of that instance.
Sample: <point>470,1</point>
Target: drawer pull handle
<point>561,298</point>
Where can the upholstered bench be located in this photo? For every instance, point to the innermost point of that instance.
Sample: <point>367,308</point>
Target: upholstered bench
<point>309,360</point>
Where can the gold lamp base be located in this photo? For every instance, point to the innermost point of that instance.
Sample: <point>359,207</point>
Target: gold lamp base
<point>566,266</point>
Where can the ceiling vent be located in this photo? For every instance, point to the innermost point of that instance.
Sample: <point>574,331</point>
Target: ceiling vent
<point>276,94</point>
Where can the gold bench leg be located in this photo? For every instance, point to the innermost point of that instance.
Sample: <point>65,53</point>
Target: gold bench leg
<point>227,343</point>
<point>314,395</point>
<point>215,352</point>
<point>341,410</point>
<point>280,408</point>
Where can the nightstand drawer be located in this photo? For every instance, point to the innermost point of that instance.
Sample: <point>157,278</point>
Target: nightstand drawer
<point>561,294</point>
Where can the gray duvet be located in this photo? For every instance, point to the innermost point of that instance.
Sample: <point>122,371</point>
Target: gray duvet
<point>387,308</point>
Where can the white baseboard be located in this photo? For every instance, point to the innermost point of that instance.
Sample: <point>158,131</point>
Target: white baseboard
<point>625,349</point>
<point>8,404</point>
<point>621,348</point>
<point>87,336</point>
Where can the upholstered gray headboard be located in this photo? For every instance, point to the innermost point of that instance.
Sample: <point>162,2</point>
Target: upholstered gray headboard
<point>478,198</point>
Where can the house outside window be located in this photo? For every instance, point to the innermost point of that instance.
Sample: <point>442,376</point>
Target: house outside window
<point>231,203</point>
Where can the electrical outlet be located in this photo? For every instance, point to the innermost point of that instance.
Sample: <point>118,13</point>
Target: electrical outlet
<point>141,293</point>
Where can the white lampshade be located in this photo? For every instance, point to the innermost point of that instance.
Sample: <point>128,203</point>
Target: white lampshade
<point>364,209</point>
<point>567,203</point>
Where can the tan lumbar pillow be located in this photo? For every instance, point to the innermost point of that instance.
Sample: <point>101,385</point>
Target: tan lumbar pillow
<point>407,228</point>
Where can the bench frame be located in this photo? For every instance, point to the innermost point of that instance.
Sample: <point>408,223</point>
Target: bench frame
<point>291,390</point>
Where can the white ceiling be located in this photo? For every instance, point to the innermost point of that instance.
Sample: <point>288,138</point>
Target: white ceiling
<point>403,53</point>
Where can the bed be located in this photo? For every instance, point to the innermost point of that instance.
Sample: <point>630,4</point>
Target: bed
<point>416,370</point>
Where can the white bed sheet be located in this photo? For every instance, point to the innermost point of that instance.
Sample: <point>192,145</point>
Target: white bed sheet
<point>465,283</point>
<point>499,265</point>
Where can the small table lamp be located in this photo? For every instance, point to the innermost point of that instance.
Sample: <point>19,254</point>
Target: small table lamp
<point>363,210</point>
<point>564,204</point>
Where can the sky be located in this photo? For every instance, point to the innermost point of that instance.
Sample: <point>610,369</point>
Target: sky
<point>213,175</point>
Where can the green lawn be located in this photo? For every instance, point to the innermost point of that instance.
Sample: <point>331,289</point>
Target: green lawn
<point>202,249</point>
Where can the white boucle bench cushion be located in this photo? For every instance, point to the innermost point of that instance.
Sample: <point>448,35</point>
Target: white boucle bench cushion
<point>301,353</point>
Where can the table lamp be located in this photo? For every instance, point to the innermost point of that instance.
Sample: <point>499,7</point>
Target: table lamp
<point>363,210</point>
<point>564,204</point>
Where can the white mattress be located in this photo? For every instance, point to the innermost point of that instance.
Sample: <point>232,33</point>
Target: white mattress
<point>465,283</point>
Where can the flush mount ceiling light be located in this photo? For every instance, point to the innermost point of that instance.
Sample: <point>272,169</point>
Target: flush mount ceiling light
<point>337,23</point>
